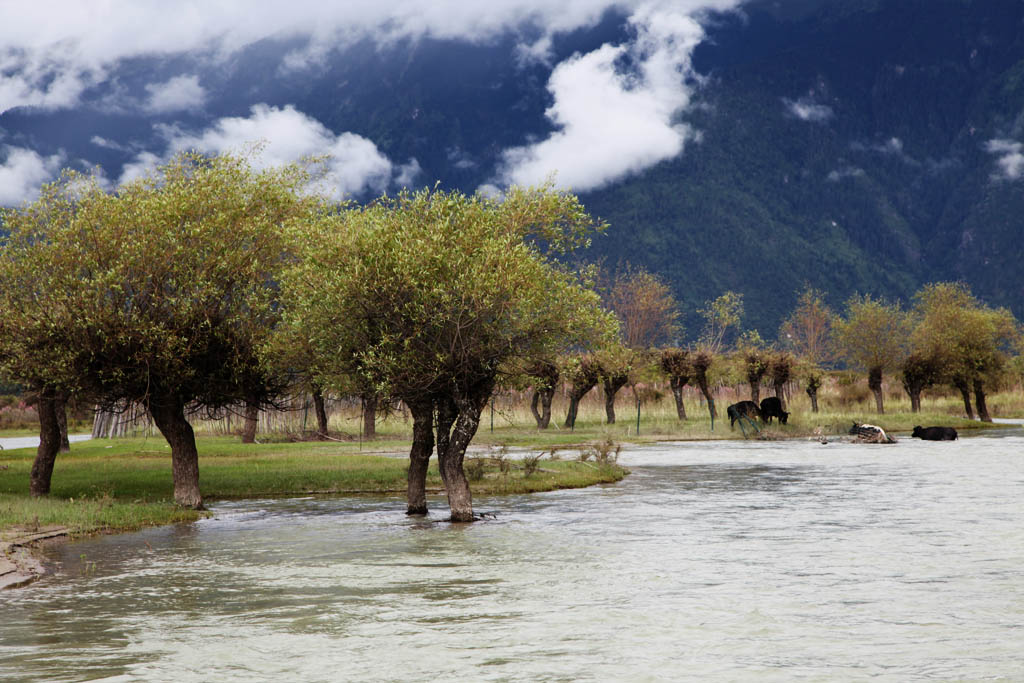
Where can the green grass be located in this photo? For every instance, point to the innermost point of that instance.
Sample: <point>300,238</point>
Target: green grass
<point>123,484</point>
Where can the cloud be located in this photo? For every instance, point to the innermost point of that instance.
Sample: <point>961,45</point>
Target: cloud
<point>843,173</point>
<point>23,171</point>
<point>355,165</point>
<point>1011,158</point>
<point>52,52</point>
<point>180,93</point>
<point>615,109</point>
<point>806,109</point>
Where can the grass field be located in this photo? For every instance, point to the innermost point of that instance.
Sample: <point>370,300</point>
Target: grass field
<point>126,483</point>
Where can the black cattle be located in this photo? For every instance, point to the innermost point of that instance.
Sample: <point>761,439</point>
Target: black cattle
<point>747,409</point>
<point>772,407</point>
<point>935,433</point>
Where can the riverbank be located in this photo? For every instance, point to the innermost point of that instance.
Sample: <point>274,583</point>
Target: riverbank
<point>111,486</point>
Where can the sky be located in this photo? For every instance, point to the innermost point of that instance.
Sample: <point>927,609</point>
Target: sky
<point>607,121</point>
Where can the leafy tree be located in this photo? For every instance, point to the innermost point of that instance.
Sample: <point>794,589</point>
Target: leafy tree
<point>646,309</point>
<point>675,363</point>
<point>432,298</point>
<point>807,330</point>
<point>159,293</point>
<point>873,337</point>
<point>968,341</point>
<point>721,316</point>
<point>753,361</point>
<point>780,368</point>
<point>919,371</point>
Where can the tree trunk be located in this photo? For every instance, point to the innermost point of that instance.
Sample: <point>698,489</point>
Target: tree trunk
<point>49,444</point>
<point>755,392</point>
<point>915,399</point>
<point>419,456</point>
<point>611,388</point>
<point>875,384</point>
<point>252,415</point>
<point>712,410</point>
<point>965,393</point>
<point>576,395</point>
<point>60,406</point>
<point>460,500</point>
<point>321,414</point>
<point>812,393</point>
<point>542,398</point>
<point>369,416</point>
<point>979,399</point>
<point>169,415</point>
<point>546,397</point>
<point>780,393</point>
<point>677,393</point>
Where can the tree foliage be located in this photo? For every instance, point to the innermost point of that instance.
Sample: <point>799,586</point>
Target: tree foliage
<point>159,293</point>
<point>872,337</point>
<point>433,297</point>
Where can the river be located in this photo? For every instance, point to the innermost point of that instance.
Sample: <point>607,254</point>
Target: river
<point>713,561</point>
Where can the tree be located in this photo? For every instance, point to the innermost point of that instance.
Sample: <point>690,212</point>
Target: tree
<point>808,333</point>
<point>968,341</point>
<point>160,292</point>
<point>807,330</point>
<point>432,297</point>
<point>675,363</point>
<point>701,362</point>
<point>615,368</point>
<point>582,373</point>
<point>873,337</point>
<point>780,368</point>
<point>645,307</point>
<point>919,371</point>
<point>721,316</point>
<point>544,378</point>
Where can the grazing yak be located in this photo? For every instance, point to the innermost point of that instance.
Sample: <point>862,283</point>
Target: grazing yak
<point>747,409</point>
<point>772,407</point>
<point>935,433</point>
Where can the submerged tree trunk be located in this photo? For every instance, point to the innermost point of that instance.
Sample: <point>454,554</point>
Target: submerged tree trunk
<point>451,457</point>
<point>611,388</point>
<point>49,444</point>
<point>875,384</point>
<point>979,399</point>
<point>252,415</point>
<point>369,416</point>
<point>60,405</point>
<point>169,415</point>
<point>677,383</point>
<point>419,456</point>
<point>965,393</point>
<point>321,413</point>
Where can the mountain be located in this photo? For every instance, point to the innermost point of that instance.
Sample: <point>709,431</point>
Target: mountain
<point>852,145</point>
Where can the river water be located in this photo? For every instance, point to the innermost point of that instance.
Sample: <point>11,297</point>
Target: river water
<point>713,561</point>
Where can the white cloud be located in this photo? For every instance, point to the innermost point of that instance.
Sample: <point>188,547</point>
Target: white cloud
<point>1011,158</point>
<point>806,109</point>
<point>844,172</point>
<point>355,165</point>
<point>51,52</point>
<point>23,171</point>
<point>177,94</point>
<point>612,122</point>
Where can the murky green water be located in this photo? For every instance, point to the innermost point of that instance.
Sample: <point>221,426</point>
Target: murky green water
<point>713,561</point>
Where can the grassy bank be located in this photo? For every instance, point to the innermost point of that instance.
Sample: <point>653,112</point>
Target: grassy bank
<point>125,484</point>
